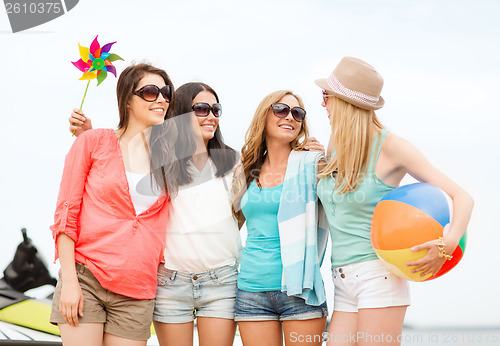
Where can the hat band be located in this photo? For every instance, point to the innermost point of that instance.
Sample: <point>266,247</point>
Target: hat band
<point>336,86</point>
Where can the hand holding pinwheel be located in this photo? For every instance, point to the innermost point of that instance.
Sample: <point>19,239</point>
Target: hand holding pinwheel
<point>95,63</point>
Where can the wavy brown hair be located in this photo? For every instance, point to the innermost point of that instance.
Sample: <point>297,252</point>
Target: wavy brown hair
<point>254,150</point>
<point>351,138</point>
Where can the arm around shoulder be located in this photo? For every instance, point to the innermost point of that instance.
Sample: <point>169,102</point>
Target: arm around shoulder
<point>78,122</point>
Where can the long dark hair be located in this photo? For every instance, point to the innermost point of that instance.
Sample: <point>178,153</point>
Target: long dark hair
<point>163,163</point>
<point>223,156</point>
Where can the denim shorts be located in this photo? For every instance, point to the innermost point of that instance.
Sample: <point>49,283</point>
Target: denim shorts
<point>181,297</point>
<point>275,306</point>
<point>368,285</point>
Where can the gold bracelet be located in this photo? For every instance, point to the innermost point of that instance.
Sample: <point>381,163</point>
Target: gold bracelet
<point>442,252</point>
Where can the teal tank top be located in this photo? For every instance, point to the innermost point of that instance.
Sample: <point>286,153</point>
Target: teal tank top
<point>261,267</point>
<point>349,215</point>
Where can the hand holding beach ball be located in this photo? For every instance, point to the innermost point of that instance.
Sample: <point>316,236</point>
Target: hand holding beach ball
<point>408,216</point>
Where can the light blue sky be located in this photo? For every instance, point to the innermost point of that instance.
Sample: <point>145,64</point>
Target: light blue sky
<point>440,61</point>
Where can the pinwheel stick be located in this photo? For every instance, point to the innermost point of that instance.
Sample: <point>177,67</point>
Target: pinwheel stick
<point>85,94</point>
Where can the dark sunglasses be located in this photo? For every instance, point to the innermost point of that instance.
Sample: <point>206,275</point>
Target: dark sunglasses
<point>202,109</point>
<point>326,96</point>
<point>281,110</point>
<point>150,92</point>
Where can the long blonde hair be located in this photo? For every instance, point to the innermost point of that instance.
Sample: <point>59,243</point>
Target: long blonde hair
<point>254,150</point>
<point>351,134</point>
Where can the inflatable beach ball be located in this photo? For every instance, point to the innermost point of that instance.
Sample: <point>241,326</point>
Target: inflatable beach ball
<point>407,216</point>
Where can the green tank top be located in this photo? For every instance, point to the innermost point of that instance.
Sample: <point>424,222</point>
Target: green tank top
<point>349,215</point>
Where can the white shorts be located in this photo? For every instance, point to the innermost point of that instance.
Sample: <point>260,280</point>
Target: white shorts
<point>368,285</point>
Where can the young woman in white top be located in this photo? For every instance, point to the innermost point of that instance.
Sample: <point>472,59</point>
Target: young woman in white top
<point>198,278</point>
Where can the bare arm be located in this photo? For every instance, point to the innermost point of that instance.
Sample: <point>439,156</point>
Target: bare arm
<point>413,162</point>
<point>71,302</point>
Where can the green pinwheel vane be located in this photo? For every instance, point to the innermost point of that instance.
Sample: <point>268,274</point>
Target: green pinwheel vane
<point>95,63</point>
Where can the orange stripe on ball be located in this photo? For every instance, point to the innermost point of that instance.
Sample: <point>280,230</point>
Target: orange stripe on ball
<point>397,225</point>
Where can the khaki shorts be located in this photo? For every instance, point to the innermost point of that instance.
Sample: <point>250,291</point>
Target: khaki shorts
<point>122,316</point>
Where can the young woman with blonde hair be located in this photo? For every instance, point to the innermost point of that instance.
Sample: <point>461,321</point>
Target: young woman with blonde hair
<point>280,289</point>
<point>366,163</point>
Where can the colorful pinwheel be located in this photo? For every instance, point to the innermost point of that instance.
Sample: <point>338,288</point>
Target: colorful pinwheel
<point>95,62</point>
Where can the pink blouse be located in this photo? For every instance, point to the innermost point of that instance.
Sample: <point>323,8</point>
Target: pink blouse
<point>94,208</point>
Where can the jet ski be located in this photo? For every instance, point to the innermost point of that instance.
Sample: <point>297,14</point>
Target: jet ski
<point>23,318</point>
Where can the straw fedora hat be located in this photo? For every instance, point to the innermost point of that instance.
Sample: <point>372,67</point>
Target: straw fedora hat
<point>355,82</point>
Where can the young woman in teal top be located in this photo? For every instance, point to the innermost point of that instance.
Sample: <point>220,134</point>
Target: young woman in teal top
<point>262,254</point>
<point>367,162</point>
<point>265,309</point>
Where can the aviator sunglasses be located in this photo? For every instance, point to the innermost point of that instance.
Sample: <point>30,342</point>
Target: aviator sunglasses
<point>150,92</point>
<point>281,110</point>
<point>202,109</point>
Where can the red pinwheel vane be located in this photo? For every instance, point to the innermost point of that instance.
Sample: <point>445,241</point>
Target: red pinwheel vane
<point>96,63</point>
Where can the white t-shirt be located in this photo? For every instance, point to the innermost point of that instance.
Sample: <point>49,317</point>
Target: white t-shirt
<point>143,190</point>
<point>202,234</point>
